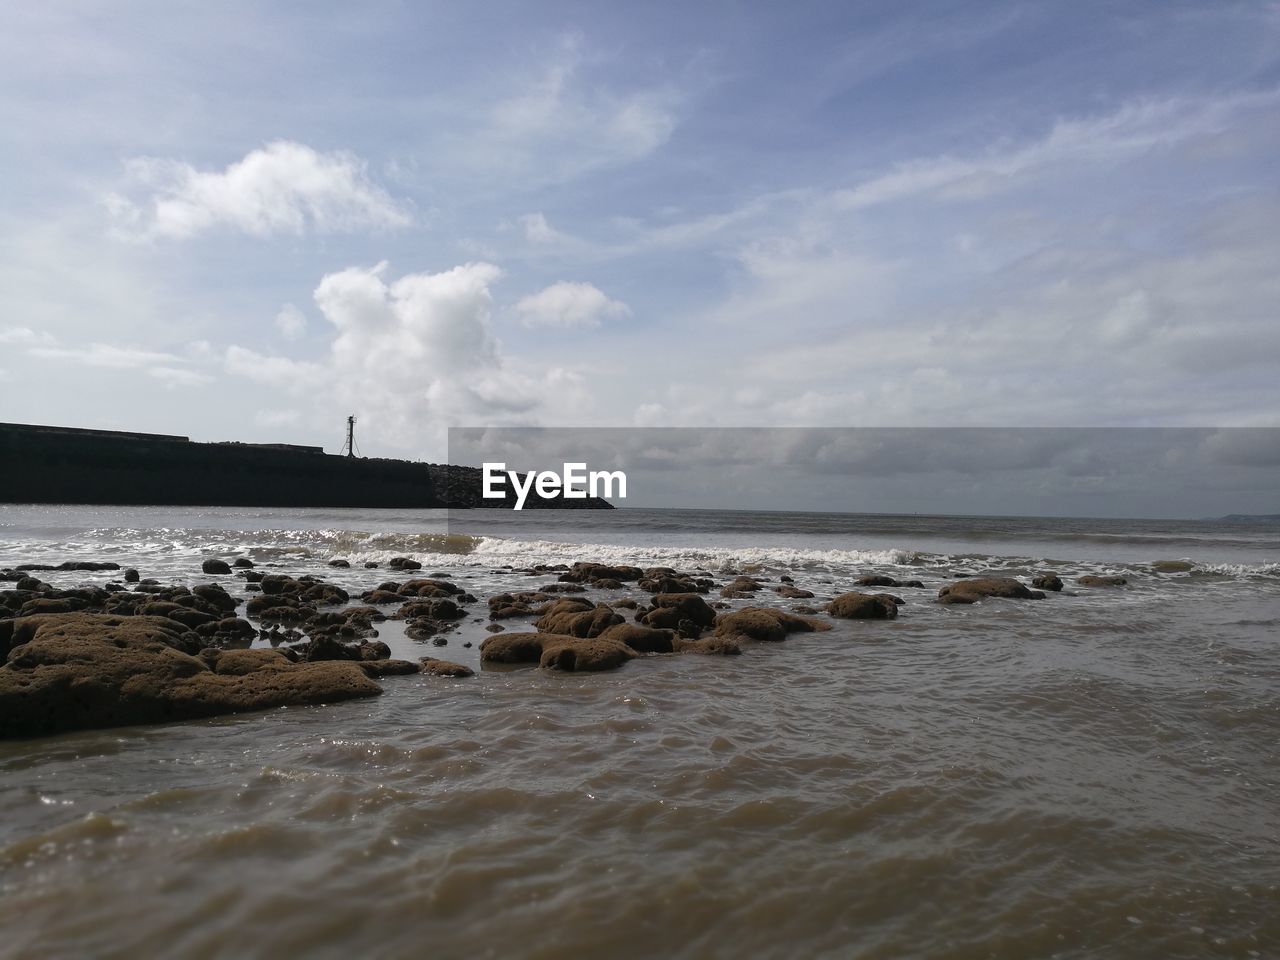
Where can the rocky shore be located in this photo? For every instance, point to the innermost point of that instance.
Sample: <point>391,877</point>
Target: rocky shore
<point>134,650</point>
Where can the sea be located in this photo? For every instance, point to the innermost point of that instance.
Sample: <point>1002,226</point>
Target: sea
<point>1094,774</point>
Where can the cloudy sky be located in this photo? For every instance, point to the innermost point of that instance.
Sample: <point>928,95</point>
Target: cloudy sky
<point>243,220</point>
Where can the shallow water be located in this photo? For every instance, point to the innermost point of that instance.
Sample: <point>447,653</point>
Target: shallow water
<point>1088,775</point>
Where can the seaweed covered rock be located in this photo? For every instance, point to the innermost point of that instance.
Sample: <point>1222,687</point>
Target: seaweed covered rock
<point>555,651</point>
<point>568,617</point>
<point>78,671</point>
<point>669,609</point>
<point>444,668</point>
<point>973,589</point>
<point>642,639</point>
<point>863,606</point>
<point>764,623</point>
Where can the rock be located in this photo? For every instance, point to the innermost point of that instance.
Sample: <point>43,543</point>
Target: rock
<point>371,564</point>
<point>670,608</point>
<point>1047,581</point>
<point>1089,580</point>
<point>494,628</point>
<point>862,606</point>
<point>79,671</point>
<point>555,652</point>
<point>215,567</point>
<point>215,595</point>
<point>132,576</point>
<point>388,668</point>
<point>764,623</point>
<point>341,564</point>
<point>444,668</point>
<point>577,622</point>
<point>641,639</point>
<point>403,563</point>
<point>423,629</point>
<point>587,572</point>
<point>973,589</point>
<point>877,580</point>
<point>792,593</point>
<point>711,646</point>
<point>52,605</point>
<point>431,609</point>
<point>242,563</point>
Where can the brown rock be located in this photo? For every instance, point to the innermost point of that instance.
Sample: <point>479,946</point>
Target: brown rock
<point>641,639</point>
<point>670,608</point>
<point>77,671</point>
<point>576,622</point>
<point>444,668</point>
<point>1047,581</point>
<point>555,652</point>
<point>863,606</point>
<point>1089,580</point>
<point>973,589</point>
<point>764,623</point>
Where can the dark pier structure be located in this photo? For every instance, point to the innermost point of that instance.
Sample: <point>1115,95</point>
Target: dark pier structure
<point>40,464</point>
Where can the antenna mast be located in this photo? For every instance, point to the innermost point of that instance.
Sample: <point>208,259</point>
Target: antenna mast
<point>350,448</point>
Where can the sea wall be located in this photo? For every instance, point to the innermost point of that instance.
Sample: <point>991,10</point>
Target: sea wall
<point>63,465</point>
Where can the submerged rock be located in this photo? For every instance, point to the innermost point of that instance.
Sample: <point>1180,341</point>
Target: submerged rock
<point>1047,581</point>
<point>973,589</point>
<point>444,668</point>
<point>1089,580</point>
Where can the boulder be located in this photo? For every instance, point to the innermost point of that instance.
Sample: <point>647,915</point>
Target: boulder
<point>212,566</point>
<point>641,639</point>
<point>79,671</point>
<point>764,623</point>
<point>1089,580</point>
<point>444,668</point>
<point>555,652</point>
<point>1047,581</point>
<point>789,592</point>
<point>973,589</point>
<point>670,608</point>
<point>711,646</point>
<point>575,622</point>
<point>863,606</point>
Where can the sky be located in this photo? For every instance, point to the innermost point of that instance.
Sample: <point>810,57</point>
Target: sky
<point>249,220</point>
<point>1153,472</point>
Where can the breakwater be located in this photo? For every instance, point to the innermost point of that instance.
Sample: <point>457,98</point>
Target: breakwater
<point>46,464</point>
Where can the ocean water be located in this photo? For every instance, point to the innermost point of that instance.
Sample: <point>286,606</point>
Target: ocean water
<point>1090,775</point>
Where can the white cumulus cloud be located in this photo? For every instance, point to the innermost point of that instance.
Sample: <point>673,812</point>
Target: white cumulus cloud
<point>412,356</point>
<point>568,305</point>
<point>284,187</point>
